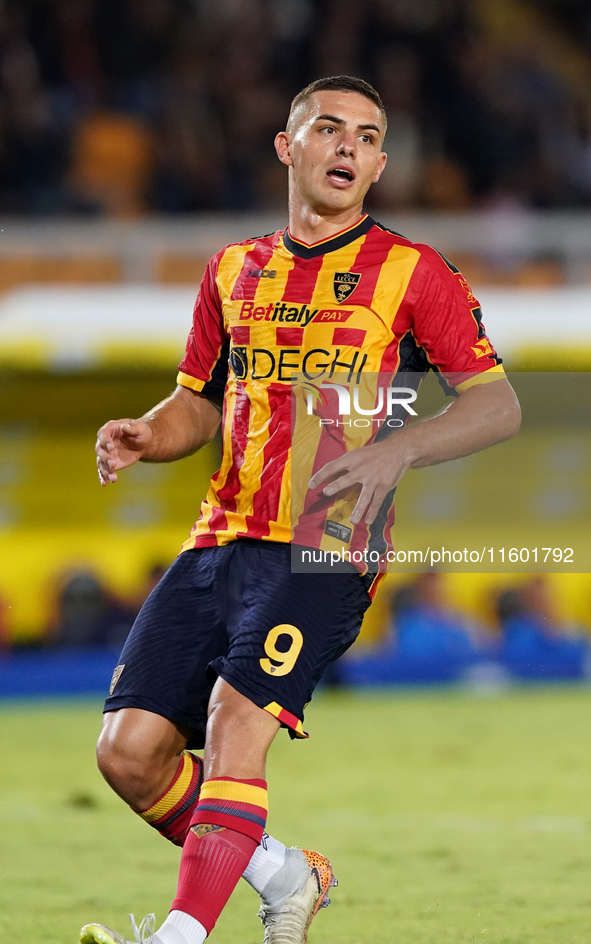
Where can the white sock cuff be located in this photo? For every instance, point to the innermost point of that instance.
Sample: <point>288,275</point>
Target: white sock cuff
<point>181,928</point>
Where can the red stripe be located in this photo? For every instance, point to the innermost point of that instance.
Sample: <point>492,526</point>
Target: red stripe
<point>287,718</point>
<point>369,261</point>
<point>217,522</point>
<point>330,446</point>
<point>207,335</point>
<point>202,540</point>
<point>301,281</point>
<point>240,334</point>
<point>391,356</point>
<point>348,337</point>
<point>289,336</point>
<point>228,492</point>
<point>244,826</point>
<point>245,286</point>
<point>265,506</point>
<point>360,541</point>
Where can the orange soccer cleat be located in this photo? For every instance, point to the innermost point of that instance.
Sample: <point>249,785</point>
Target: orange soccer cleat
<point>294,895</point>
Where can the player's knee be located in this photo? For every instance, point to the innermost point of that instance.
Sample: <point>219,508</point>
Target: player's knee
<point>127,772</point>
<point>130,764</point>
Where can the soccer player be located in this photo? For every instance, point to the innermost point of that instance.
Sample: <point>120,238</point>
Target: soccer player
<point>230,645</point>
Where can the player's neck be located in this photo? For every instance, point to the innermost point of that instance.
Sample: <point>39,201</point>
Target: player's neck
<point>310,226</point>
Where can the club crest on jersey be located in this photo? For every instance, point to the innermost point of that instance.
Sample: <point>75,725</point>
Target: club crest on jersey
<point>344,283</point>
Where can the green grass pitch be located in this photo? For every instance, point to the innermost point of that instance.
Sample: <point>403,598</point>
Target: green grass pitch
<point>448,818</point>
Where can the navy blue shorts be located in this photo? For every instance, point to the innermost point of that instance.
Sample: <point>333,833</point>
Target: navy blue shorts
<point>237,612</point>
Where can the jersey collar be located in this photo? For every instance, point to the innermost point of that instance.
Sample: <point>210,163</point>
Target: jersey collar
<point>339,241</point>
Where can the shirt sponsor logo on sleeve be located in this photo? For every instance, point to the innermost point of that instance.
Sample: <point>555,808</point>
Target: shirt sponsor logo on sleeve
<point>483,348</point>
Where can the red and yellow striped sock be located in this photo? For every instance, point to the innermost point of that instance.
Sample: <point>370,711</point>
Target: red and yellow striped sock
<point>226,828</point>
<point>240,805</point>
<point>172,813</point>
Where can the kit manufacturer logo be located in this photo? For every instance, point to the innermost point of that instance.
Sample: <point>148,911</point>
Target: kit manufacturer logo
<point>262,274</point>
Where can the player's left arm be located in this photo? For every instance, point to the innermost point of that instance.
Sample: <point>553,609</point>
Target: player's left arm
<point>485,414</point>
<point>481,416</point>
<point>446,322</point>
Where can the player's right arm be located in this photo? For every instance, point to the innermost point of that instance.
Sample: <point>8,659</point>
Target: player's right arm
<point>176,427</point>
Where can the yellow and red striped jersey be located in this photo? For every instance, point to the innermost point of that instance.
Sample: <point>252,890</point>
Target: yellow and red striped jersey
<point>366,301</point>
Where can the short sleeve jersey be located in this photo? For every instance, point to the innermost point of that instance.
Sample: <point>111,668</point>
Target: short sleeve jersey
<point>365,300</point>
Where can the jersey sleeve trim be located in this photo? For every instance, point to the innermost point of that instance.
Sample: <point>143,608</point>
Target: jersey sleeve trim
<point>287,719</point>
<point>185,380</point>
<point>486,376</point>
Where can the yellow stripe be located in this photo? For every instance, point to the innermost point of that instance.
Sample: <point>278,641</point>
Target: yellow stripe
<point>299,730</point>
<point>253,466</point>
<point>176,792</point>
<point>230,401</point>
<point>280,530</point>
<point>201,526</point>
<point>485,377</point>
<point>229,269</point>
<point>268,290</point>
<point>229,790</point>
<point>389,293</point>
<point>274,709</point>
<point>185,380</point>
<point>342,260</point>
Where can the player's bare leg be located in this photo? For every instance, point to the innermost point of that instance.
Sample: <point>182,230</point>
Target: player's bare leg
<point>238,737</point>
<point>293,894</point>
<point>140,754</point>
<point>239,734</point>
<point>228,822</point>
<point>137,751</point>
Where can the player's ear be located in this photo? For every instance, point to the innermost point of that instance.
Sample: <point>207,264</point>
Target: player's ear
<point>282,146</point>
<point>381,165</point>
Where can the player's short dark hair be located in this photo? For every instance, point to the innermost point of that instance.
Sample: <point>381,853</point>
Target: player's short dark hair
<point>339,83</point>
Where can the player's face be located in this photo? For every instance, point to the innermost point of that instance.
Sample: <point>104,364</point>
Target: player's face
<point>333,146</point>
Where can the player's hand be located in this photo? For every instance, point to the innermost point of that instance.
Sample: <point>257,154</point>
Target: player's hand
<point>119,444</point>
<point>377,468</point>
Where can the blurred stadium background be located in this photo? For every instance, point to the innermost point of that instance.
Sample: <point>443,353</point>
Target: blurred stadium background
<point>135,140</point>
